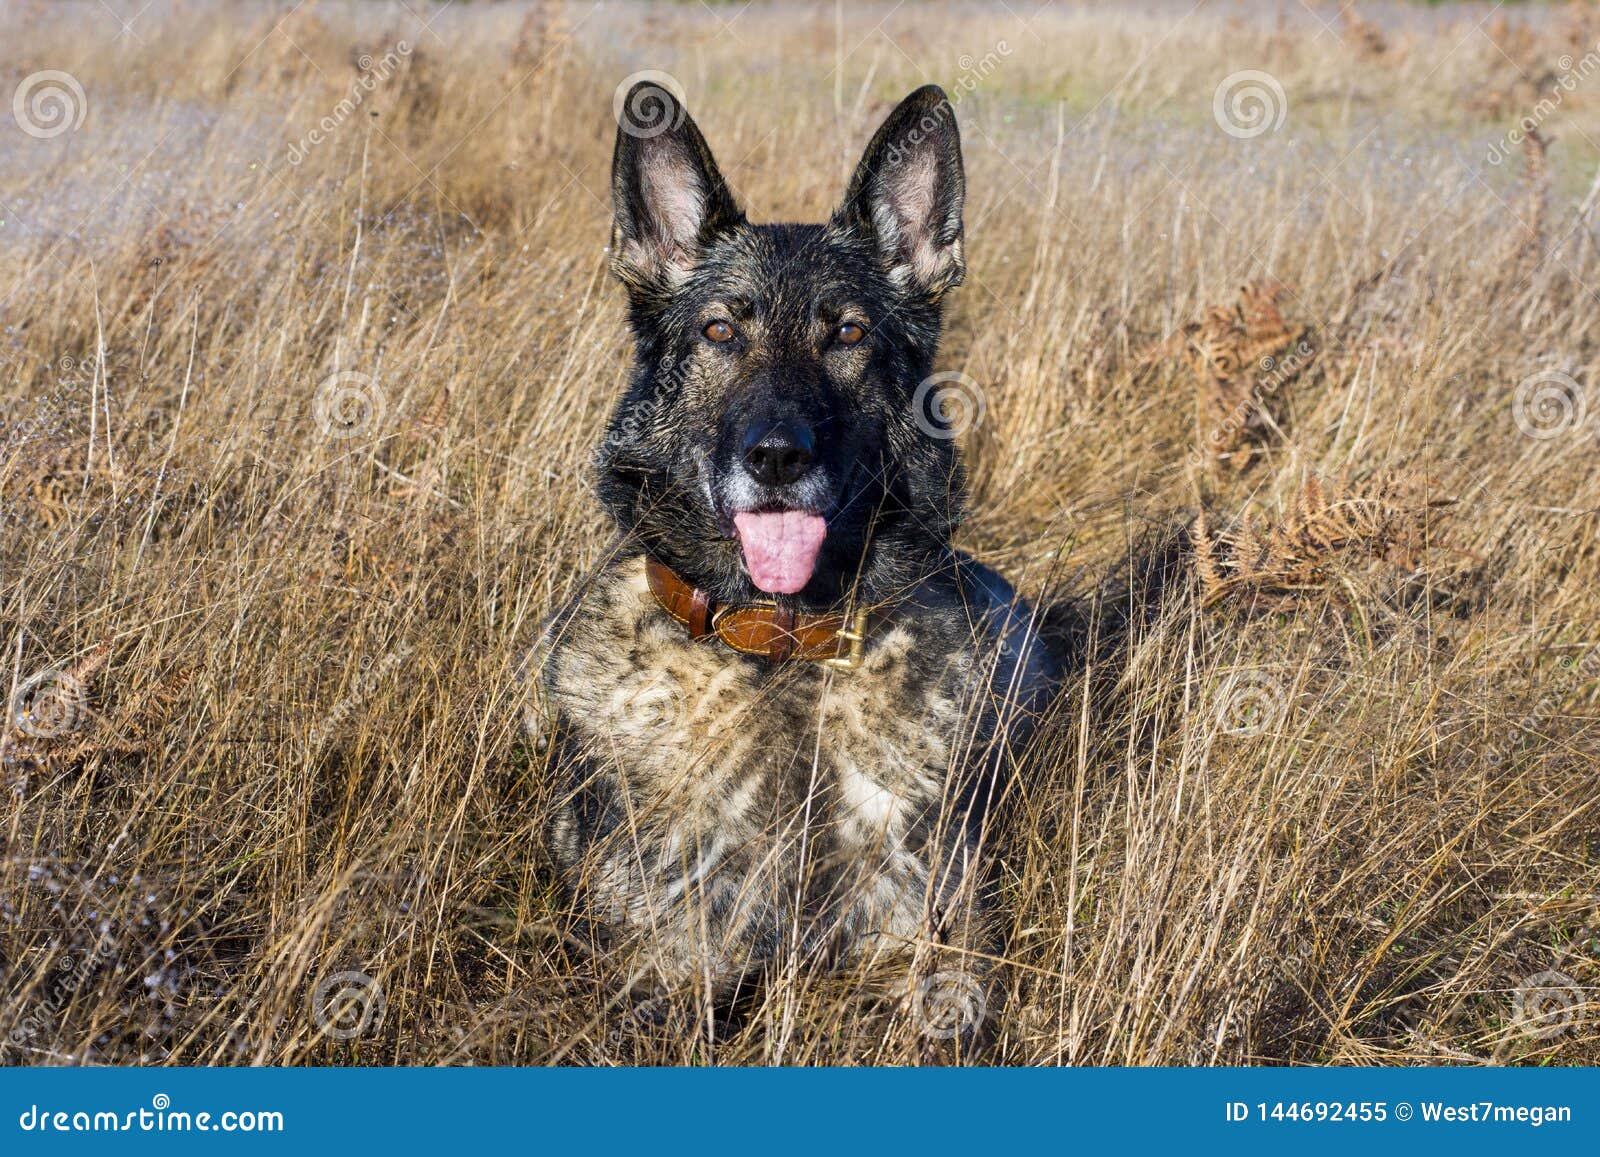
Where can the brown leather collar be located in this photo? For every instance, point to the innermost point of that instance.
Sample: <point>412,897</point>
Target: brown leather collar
<point>765,629</point>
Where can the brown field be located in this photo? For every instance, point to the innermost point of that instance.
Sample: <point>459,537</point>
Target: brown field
<point>293,441</point>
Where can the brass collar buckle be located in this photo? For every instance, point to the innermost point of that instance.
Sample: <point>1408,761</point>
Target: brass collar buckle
<point>857,635</point>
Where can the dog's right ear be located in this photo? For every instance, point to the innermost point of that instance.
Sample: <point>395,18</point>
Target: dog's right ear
<point>908,191</point>
<point>669,200</point>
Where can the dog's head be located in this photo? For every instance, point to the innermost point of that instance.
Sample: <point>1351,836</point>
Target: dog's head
<point>770,443</point>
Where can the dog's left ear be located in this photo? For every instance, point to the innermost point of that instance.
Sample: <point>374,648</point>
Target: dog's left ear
<point>908,191</point>
<point>668,197</point>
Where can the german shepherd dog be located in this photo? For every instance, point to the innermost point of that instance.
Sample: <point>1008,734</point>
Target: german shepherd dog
<point>785,708</point>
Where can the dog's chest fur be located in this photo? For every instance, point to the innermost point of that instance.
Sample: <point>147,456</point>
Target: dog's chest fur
<point>728,810</point>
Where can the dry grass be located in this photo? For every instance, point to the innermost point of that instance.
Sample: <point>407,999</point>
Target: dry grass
<point>268,725</point>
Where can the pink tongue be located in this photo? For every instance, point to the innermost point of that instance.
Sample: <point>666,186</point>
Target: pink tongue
<point>781,549</point>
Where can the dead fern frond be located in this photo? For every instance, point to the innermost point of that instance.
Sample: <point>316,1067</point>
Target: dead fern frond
<point>544,28</point>
<point>53,722</point>
<point>1240,356</point>
<point>1535,198</point>
<point>86,668</point>
<point>431,420</point>
<point>1521,69</point>
<point>1208,566</point>
<point>41,477</point>
<point>1369,40</point>
<point>1325,524</point>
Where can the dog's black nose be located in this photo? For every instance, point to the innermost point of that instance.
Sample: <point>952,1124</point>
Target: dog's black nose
<point>778,453</point>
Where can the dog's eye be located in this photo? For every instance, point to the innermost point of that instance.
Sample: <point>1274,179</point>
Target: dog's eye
<point>849,333</point>
<point>719,332</point>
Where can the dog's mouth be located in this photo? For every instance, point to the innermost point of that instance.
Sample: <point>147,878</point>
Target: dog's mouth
<point>780,547</point>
